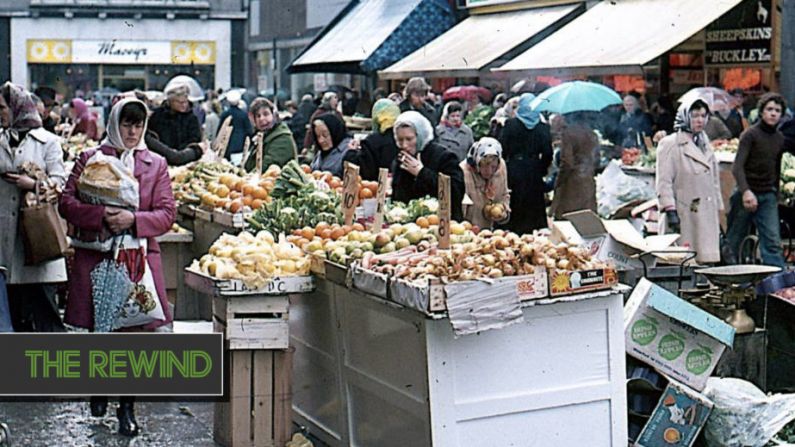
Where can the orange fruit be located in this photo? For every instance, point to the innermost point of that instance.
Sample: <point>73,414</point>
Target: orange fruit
<point>235,195</point>
<point>222,191</point>
<point>433,219</point>
<point>337,233</point>
<point>335,183</point>
<point>238,185</point>
<point>366,193</point>
<point>248,189</point>
<point>256,204</point>
<point>308,232</point>
<point>423,222</point>
<point>325,233</point>
<point>260,193</point>
<point>373,186</point>
<point>320,227</point>
<point>235,206</point>
<point>358,227</point>
<point>306,169</point>
<point>347,229</point>
<point>247,200</point>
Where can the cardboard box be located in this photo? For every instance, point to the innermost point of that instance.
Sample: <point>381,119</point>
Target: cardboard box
<point>673,336</point>
<point>615,241</point>
<point>564,282</point>
<point>678,418</point>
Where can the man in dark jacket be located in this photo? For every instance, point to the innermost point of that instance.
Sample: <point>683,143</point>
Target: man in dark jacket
<point>241,126</point>
<point>416,93</point>
<point>377,150</point>
<point>174,122</point>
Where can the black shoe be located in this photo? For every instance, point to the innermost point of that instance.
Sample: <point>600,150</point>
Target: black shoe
<point>128,426</point>
<point>99,406</point>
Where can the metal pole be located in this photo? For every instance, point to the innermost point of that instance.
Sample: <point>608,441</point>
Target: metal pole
<point>787,43</point>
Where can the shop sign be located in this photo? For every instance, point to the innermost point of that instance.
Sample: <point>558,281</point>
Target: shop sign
<point>112,51</point>
<point>741,36</point>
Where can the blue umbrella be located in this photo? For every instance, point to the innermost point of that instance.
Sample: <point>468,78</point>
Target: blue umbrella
<point>575,96</point>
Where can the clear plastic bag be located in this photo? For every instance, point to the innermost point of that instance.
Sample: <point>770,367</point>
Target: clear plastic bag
<point>107,181</point>
<point>615,189</point>
<point>743,415</point>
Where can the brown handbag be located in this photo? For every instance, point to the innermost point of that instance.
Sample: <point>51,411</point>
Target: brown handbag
<point>43,233</point>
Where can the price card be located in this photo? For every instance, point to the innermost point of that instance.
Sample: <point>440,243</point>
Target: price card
<point>383,178</point>
<point>648,142</point>
<point>245,152</point>
<point>222,138</point>
<point>259,155</point>
<point>350,191</point>
<point>444,211</point>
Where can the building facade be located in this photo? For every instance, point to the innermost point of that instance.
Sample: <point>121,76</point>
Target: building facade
<point>90,45</point>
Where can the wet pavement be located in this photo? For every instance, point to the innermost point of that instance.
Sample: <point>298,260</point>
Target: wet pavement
<point>68,423</point>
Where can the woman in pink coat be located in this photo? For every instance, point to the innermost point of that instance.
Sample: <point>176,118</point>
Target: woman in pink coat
<point>154,217</point>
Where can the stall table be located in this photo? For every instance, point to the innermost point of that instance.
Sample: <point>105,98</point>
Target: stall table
<point>371,372</point>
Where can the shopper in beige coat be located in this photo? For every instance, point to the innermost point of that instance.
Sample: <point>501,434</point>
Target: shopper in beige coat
<point>487,200</point>
<point>688,185</point>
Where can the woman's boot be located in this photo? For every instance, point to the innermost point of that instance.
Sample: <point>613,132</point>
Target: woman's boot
<point>98,405</point>
<point>128,426</point>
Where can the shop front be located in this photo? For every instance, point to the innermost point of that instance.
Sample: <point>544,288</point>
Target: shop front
<point>65,54</point>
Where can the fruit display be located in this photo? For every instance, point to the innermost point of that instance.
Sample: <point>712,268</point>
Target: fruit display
<point>488,255</point>
<point>295,177</point>
<point>730,146</point>
<point>221,186</point>
<point>398,212</point>
<point>307,207</point>
<point>255,260</point>
<point>787,181</point>
<point>76,144</point>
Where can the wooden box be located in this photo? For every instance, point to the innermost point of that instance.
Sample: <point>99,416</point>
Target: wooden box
<point>257,406</point>
<point>252,322</point>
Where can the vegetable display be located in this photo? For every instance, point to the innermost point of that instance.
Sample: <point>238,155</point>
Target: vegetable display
<point>307,207</point>
<point>399,212</point>
<point>255,260</point>
<point>787,178</point>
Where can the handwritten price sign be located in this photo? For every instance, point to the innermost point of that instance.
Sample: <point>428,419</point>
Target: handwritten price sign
<point>350,191</point>
<point>444,211</point>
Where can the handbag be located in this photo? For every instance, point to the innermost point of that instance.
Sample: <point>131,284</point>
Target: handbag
<point>43,233</point>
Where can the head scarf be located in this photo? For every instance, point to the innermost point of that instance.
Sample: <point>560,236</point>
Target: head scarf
<point>446,114</point>
<point>327,97</point>
<point>385,112</point>
<point>336,128</point>
<point>114,138</point>
<point>527,115</point>
<point>81,109</point>
<point>482,148</point>
<point>422,127</point>
<point>682,121</point>
<point>22,109</point>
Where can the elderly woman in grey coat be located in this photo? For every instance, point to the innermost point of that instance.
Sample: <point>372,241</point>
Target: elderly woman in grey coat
<point>688,184</point>
<point>452,133</point>
<point>26,146</point>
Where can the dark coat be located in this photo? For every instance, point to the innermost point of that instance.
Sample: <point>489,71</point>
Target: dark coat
<point>435,160</point>
<point>174,157</point>
<point>241,128</point>
<point>528,154</point>
<point>175,130</point>
<point>426,110</point>
<point>377,151</point>
<point>633,128</point>
<point>309,139</point>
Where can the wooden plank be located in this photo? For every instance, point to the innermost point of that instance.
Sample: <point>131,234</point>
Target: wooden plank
<point>220,309</point>
<point>257,333</point>
<point>283,396</point>
<point>263,395</point>
<point>221,422</point>
<point>278,304</point>
<point>350,191</point>
<point>444,211</point>
<point>240,398</point>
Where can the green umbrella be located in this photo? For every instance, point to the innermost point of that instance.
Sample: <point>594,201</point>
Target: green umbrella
<point>575,96</point>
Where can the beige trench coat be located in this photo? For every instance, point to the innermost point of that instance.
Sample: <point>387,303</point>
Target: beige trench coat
<point>688,179</point>
<point>476,192</point>
<point>44,149</point>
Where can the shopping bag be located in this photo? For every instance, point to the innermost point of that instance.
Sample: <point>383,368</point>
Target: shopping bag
<point>142,303</point>
<point>107,181</point>
<point>43,233</point>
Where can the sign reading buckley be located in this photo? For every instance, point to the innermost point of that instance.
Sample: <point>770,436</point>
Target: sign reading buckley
<point>114,364</point>
<point>741,36</point>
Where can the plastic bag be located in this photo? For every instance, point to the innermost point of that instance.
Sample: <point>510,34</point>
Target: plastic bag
<point>107,181</point>
<point>615,189</point>
<point>744,415</point>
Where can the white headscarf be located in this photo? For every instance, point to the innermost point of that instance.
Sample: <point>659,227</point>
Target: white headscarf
<point>114,138</point>
<point>422,127</point>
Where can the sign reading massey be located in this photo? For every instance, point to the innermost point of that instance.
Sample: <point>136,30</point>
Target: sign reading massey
<point>741,36</point>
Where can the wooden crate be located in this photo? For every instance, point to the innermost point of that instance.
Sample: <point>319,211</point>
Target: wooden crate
<point>257,406</point>
<point>252,322</point>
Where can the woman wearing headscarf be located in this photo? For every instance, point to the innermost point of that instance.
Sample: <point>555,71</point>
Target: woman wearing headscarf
<point>84,121</point>
<point>25,144</point>
<point>328,104</point>
<point>377,150</point>
<point>575,187</point>
<point>278,147</point>
<point>332,142</point>
<point>452,133</point>
<point>415,171</point>
<point>487,199</point>
<point>153,217</point>
<point>527,149</point>
<point>688,184</point>
<point>502,115</point>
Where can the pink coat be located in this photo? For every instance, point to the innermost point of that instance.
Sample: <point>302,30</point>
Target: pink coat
<point>154,217</point>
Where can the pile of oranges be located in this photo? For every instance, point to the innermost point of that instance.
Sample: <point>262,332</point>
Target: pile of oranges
<point>367,189</point>
<point>234,193</point>
<point>323,230</point>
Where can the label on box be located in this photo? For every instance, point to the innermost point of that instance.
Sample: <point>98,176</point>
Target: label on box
<point>533,286</point>
<point>676,421</point>
<point>564,282</point>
